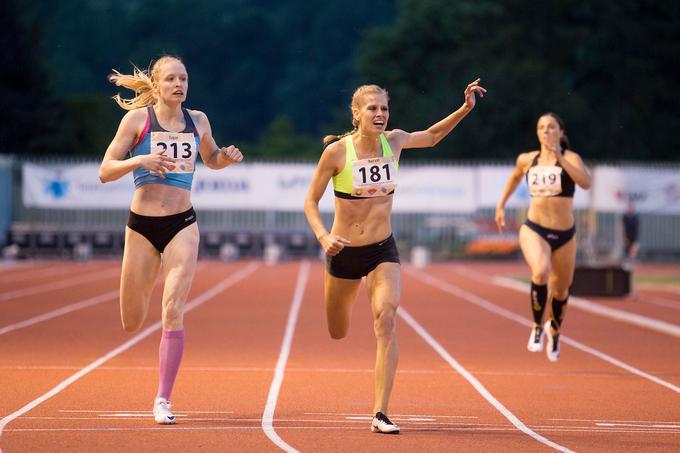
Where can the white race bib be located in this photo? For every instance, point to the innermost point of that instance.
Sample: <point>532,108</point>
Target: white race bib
<point>545,181</point>
<point>373,177</point>
<point>180,146</point>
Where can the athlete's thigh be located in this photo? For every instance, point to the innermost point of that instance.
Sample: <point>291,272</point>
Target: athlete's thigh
<point>384,287</point>
<point>339,296</point>
<point>535,249</point>
<point>179,264</point>
<point>141,262</point>
<point>563,263</point>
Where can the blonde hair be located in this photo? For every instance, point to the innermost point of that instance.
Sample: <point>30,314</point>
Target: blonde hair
<point>141,82</point>
<point>357,102</point>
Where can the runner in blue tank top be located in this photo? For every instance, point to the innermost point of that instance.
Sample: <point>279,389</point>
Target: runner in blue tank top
<point>547,237</point>
<point>161,141</point>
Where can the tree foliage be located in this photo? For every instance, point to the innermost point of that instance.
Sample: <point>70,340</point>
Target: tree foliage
<point>276,75</point>
<point>602,66</point>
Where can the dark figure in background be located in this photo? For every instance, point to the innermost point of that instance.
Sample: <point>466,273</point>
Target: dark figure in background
<point>631,229</point>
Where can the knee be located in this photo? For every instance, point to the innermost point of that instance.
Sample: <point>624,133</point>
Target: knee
<point>540,276</point>
<point>131,324</point>
<point>337,334</point>
<point>173,316</point>
<point>384,324</point>
<point>560,292</point>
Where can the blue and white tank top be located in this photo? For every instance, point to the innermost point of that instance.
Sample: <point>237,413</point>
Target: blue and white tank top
<point>182,147</point>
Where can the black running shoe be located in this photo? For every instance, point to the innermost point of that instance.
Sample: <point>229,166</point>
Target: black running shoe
<point>382,424</point>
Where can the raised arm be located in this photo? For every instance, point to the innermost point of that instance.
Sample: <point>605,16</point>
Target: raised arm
<point>435,133</point>
<point>572,164</point>
<point>213,156</point>
<point>327,167</point>
<point>509,189</point>
<point>115,165</point>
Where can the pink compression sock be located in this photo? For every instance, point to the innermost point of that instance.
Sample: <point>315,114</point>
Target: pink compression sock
<point>170,354</point>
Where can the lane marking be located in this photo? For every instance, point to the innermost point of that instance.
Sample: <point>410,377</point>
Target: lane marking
<point>344,428</point>
<point>660,301</point>
<point>272,397</point>
<point>111,295</point>
<point>37,289</point>
<point>194,303</point>
<point>493,308</point>
<point>54,270</point>
<point>93,411</point>
<point>609,421</point>
<point>602,310</point>
<point>392,415</point>
<point>444,354</point>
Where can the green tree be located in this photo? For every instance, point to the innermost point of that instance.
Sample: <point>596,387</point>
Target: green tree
<point>602,66</point>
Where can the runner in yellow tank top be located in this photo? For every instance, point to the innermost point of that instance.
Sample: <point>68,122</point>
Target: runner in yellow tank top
<point>363,165</point>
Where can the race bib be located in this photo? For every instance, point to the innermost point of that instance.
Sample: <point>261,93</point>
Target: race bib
<point>373,177</point>
<point>180,146</point>
<point>545,181</point>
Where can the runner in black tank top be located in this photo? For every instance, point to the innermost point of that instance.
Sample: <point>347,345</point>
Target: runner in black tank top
<point>547,237</point>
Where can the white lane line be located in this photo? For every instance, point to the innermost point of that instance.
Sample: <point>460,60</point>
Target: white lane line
<point>93,411</point>
<point>100,275</point>
<point>602,310</point>
<point>412,428</point>
<point>9,266</point>
<point>444,354</point>
<point>609,421</point>
<point>660,301</point>
<point>493,308</point>
<point>272,397</point>
<point>60,311</point>
<point>635,425</point>
<point>53,270</point>
<point>341,414</point>
<point>196,302</point>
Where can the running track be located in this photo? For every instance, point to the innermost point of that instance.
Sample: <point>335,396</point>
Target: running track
<point>261,374</point>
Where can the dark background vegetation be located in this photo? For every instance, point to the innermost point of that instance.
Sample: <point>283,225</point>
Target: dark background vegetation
<point>275,76</point>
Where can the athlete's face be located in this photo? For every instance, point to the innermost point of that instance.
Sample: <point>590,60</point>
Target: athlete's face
<point>172,82</point>
<point>548,131</point>
<point>373,113</point>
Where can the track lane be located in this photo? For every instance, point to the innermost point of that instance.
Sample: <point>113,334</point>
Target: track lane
<point>495,352</point>
<point>134,388</point>
<point>329,389</point>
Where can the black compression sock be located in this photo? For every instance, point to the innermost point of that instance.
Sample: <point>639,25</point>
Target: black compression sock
<point>539,296</point>
<point>558,307</point>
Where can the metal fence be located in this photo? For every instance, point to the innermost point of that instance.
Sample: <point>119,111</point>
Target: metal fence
<point>57,231</point>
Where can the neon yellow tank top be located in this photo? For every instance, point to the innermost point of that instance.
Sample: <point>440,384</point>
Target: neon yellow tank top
<point>344,182</point>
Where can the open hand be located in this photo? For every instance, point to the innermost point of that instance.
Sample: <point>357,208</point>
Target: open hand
<point>470,92</point>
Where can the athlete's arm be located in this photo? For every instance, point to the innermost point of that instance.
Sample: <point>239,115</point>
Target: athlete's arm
<point>435,133</point>
<point>509,189</point>
<point>572,164</point>
<point>213,156</point>
<point>326,168</point>
<point>114,165</point>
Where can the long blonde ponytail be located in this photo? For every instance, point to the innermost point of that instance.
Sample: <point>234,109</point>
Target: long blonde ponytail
<point>141,82</point>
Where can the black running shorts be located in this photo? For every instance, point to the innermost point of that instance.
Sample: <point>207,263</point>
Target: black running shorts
<point>356,262</point>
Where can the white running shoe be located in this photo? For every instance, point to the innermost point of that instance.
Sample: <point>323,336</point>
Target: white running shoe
<point>535,343</point>
<point>552,349</point>
<point>382,424</point>
<point>162,411</point>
